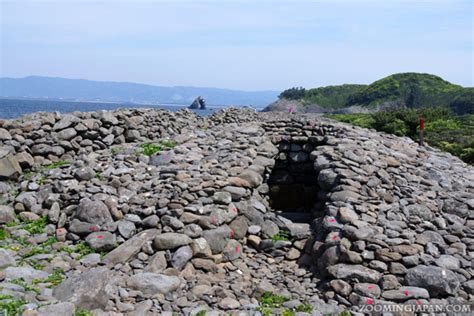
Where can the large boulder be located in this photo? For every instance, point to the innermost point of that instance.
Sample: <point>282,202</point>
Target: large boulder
<point>130,248</point>
<point>89,290</point>
<point>354,272</point>
<point>94,212</point>
<point>171,241</point>
<point>9,167</point>
<point>152,283</point>
<point>438,281</point>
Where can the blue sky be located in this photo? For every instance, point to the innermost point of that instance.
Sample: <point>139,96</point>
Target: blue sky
<point>269,45</point>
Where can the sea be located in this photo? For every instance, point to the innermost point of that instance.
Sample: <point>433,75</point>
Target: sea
<point>13,108</point>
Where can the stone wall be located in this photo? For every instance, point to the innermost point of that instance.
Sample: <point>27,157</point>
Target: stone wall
<point>391,222</point>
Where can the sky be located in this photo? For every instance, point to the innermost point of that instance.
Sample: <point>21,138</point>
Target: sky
<point>246,45</point>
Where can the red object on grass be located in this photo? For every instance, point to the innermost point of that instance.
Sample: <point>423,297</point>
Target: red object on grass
<point>422,123</point>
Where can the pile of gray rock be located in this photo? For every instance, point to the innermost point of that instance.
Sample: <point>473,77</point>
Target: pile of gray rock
<point>193,226</point>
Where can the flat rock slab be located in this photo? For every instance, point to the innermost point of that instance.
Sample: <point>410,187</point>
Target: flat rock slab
<point>406,292</point>
<point>153,283</point>
<point>89,290</point>
<point>130,248</point>
<point>354,272</point>
<point>171,241</point>
<point>25,273</point>
<point>60,309</point>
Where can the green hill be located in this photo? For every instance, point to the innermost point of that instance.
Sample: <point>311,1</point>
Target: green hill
<point>325,97</point>
<point>411,90</point>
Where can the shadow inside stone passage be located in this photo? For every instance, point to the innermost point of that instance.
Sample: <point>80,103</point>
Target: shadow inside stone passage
<point>293,189</point>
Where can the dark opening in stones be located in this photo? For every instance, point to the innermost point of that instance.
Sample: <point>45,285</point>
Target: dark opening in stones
<point>294,192</point>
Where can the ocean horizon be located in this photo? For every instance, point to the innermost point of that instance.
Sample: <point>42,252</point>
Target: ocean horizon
<point>11,108</point>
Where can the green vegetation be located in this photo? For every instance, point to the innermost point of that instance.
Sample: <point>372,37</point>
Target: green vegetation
<point>3,234</point>
<point>55,278</point>
<point>10,306</point>
<point>327,97</point>
<point>305,307</point>
<point>201,313</point>
<point>443,129</point>
<point>149,149</point>
<point>55,165</point>
<point>116,150</point>
<point>287,312</point>
<point>36,226</point>
<point>82,312</point>
<point>98,176</point>
<point>281,235</point>
<point>81,248</point>
<point>412,90</point>
<point>293,93</point>
<point>21,282</point>
<point>268,299</point>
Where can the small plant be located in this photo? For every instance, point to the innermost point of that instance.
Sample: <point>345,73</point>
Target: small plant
<point>22,241</point>
<point>116,150</point>
<point>268,299</point>
<point>3,234</point>
<point>281,235</point>
<point>28,175</point>
<point>51,240</point>
<point>41,180</point>
<point>55,278</point>
<point>98,176</point>
<point>168,143</point>
<point>83,249</point>
<point>201,313</point>
<point>11,224</point>
<point>287,312</point>
<point>82,312</point>
<point>305,307</point>
<point>150,149</point>
<point>11,307</point>
<point>36,265</point>
<point>264,310</point>
<point>55,165</point>
<point>36,226</point>
<point>21,282</point>
<point>35,251</point>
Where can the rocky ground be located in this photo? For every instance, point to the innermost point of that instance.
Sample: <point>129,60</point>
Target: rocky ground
<point>147,212</point>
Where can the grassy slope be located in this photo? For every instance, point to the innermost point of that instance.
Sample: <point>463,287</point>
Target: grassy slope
<point>331,96</point>
<point>451,133</point>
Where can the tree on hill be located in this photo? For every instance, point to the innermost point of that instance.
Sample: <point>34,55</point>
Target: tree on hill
<point>293,93</point>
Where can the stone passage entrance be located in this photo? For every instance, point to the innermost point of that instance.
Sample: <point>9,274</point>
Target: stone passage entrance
<point>293,182</point>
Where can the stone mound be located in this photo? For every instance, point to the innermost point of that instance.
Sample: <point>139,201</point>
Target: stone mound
<point>147,211</point>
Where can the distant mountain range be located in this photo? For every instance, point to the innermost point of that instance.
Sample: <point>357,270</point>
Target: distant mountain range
<point>87,90</point>
<point>411,90</point>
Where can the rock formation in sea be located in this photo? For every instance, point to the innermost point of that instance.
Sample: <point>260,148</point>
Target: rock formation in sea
<point>144,211</point>
<point>198,104</point>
